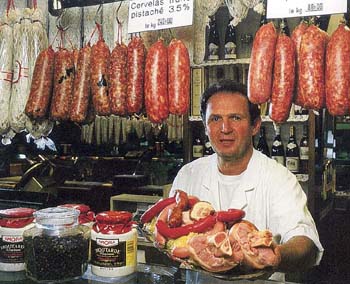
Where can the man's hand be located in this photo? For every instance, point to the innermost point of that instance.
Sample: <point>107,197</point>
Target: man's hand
<point>298,254</point>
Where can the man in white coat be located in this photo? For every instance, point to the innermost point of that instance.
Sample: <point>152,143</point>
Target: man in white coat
<point>238,176</point>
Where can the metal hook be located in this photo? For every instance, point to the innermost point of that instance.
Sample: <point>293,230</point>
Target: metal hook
<point>99,11</point>
<point>59,25</point>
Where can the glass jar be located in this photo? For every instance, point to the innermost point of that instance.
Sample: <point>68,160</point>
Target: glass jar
<point>113,244</point>
<point>56,249</point>
<point>13,223</point>
<point>86,216</point>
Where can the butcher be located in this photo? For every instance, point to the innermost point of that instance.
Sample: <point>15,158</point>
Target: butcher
<point>238,176</point>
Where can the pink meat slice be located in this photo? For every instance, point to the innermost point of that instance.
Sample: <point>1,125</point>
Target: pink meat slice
<point>206,252</point>
<point>255,245</point>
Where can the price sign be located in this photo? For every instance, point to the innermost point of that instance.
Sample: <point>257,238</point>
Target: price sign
<point>151,15</point>
<point>303,8</point>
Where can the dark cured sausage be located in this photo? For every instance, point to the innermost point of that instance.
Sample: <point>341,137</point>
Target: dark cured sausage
<point>81,87</point>
<point>296,36</point>
<point>118,83</point>
<point>156,91</point>
<point>175,217</point>
<point>261,64</point>
<point>283,79</point>
<point>100,56</point>
<point>63,85</point>
<point>178,77</point>
<point>311,68</point>
<point>338,72</point>
<point>136,69</point>
<point>42,82</point>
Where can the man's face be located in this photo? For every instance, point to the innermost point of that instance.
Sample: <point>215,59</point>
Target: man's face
<point>228,125</point>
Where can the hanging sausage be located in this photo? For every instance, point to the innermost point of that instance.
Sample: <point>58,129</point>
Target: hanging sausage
<point>178,77</point>
<point>261,64</point>
<point>283,77</point>
<point>6,49</point>
<point>136,73</point>
<point>338,72</point>
<point>311,68</point>
<point>156,91</point>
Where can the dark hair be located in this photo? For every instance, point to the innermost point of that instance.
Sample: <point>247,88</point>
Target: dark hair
<point>228,86</point>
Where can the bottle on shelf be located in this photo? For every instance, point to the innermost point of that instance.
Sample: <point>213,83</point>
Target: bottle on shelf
<point>213,40</point>
<point>208,150</point>
<point>197,148</point>
<point>230,41</point>
<point>277,150</point>
<point>292,152</point>
<point>262,144</point>
<point>304,151</point>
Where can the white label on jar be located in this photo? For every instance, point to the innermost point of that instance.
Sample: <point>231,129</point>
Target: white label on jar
<point>113,255</point>
<point>11,249</point>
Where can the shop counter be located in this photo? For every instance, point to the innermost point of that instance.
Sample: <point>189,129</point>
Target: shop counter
<point>145,274</point>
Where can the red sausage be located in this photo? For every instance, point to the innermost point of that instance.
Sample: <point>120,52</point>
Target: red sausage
<point>42,82</point>
<point>283,79</point>
<point>232,215</point>
<point>311,68</point>
<point>199,226</point>
<point>156,91</point>
<point>63,85</point>
<point>261,64</point>
<point>296,37</point>
<point>136,69</point>
<point>81,88</point>
<point>160,240</point>
<point>100,56</point>
<point>178,77</point>
<point>338,72</point>
<point>155,209</point>
<point>118,79</point>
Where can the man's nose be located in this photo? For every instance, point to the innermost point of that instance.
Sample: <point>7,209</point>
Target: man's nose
<point>226,126</point>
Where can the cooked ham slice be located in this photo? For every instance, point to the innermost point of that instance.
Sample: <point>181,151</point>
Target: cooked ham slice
<point>214,252</point>
<point>255,245</point>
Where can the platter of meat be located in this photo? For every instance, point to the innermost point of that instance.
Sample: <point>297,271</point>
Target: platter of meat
<point>218,243</point>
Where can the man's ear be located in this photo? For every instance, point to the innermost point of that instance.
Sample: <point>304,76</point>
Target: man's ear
<point>256,126</point>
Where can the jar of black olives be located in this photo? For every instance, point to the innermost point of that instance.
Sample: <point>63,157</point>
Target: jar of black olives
<point>56,249</point>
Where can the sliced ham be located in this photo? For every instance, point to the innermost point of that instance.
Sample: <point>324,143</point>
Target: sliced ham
<point>213,252</point>
<point>255,245</point>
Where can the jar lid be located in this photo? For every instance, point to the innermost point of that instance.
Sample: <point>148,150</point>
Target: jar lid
<point>19,212</point>
<point>81,207</point>
<point>57,216</point>
<point>114,217</point>
<point>16,217</point>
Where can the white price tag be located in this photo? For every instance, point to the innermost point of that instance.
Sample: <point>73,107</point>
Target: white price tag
<point>304,8</point>
<point>150,15</point>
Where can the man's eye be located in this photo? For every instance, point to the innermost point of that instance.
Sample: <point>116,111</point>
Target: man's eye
<point>215,118</point>
<point>235,117</point>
